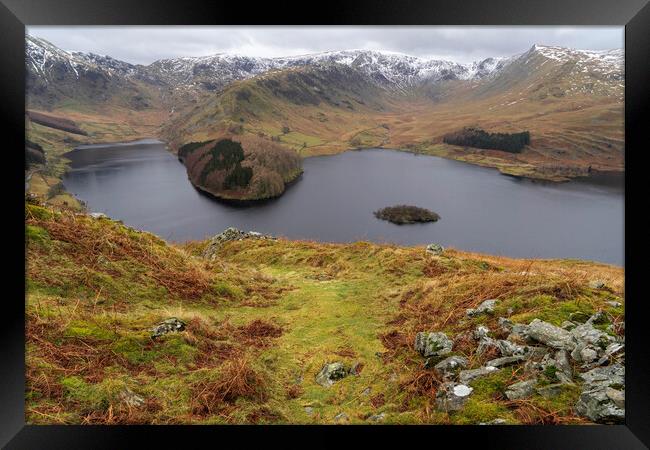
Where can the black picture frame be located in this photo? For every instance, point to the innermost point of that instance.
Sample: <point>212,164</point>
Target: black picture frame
<point>15,14</point>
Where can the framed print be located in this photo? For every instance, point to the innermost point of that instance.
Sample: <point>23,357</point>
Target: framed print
<point>383,219</point>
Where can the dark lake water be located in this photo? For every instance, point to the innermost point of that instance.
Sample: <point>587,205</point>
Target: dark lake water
<point>147,187</point>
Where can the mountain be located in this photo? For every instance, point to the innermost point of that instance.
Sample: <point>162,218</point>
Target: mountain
<point>569,100</point>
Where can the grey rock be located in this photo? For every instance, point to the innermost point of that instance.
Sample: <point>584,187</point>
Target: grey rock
<point>467,376</point>
<point>563,365</point>
<point>596,284</point>
<point>598,318</point>
<point>481,332</point>
<point>435,249</point>
<point>309,410</point>
<point>366,391</point>
<point>613,375</point>
<point>494,422</point>
<point>550,335</point>
<point>377,417</point>
<point>614,304</point>
<point>130,399</point>
<point>451,365</point>
<point>509,348</point>
<point>505,361</point>
<point>171,325</point>
<point>433,344</point>
<point>341,417</point>
<point>523,389</point>
<point>330,373</point>
<point>602,405</point>
<point>230,234</point>
<point>487,307</point>
<point>97,215</point>
<point>452,396</point>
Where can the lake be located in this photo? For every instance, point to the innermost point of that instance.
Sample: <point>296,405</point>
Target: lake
<point>146,187</point>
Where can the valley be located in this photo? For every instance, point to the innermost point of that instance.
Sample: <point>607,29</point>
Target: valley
<point>569,101</point>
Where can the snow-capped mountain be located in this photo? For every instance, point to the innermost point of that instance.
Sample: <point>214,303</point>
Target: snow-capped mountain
<point>57,73</point>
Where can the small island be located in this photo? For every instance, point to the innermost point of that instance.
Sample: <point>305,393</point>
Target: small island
<point>406,214</point>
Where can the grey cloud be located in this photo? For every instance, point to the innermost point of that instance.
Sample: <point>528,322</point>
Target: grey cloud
<point>145,44</point>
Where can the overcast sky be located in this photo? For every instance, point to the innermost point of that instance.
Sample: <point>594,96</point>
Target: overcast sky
<point>145,44</point>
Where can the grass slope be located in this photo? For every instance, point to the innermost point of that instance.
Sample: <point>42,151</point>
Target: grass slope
<point>263,318</point>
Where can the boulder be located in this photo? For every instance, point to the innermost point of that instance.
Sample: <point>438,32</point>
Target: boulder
<point>170,325</point>
<point>435,249</point>
<point>487,307</point>
<point>452,396</point>
<point>432,344</point>
<point>230,234</point>
<point>451,365</point>
<point>330,373</point>
<point>130,399</point>
<point>467,376</point>
<point>481,332</point>
<point>523,389</point>
<point>602,405</point>
<point>550,335</point>
<point>505,361</point>
<point>603,394</point>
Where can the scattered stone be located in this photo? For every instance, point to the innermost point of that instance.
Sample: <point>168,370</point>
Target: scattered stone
<point>230,234</point>
<point>563,365</point>
<point>97,215</point>
<point>467,376</point>
<point>509,348</point>
<point>550,335</point>
<point>612,351</point>
<point>523,389</point>
<point>450,366</point>
<point>366,391</point>
<point>481,332</point>
<point>341,417</point>
<point>452,396</point>
<point>614,304</point>
<point>494,422</point>
<point>309,410</point>
<point>487,307</point>
<point>603,396</point>
<point>130,399</point>
<point>330,373</point>
<point>170,325</point>
<point>433,344</point>
<point>602,405</point>
<point>435,249</point>
<point>377,417</point>
<point>505,361</point>
<point>596,284</point>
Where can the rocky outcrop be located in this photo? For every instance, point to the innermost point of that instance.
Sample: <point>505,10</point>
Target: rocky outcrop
<point>603,396</point>
<point>435,249</point>
<point>522,389</point>
<point>330,373</point>
<point>171,325</point>
<point>230,234</point>
<point>487,307</point>
<point>433,344</point>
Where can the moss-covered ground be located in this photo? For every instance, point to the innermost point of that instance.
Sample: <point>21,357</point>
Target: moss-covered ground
<point>262,319</point>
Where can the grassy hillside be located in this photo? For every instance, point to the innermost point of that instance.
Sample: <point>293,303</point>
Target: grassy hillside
<point>572,130</point>
<point>264,316</point>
